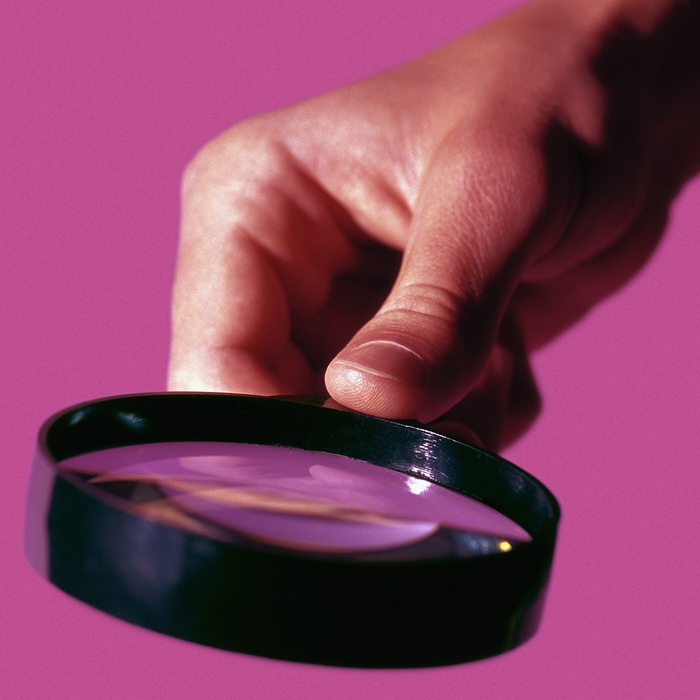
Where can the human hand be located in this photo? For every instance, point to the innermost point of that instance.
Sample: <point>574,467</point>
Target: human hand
<point>413,237</point>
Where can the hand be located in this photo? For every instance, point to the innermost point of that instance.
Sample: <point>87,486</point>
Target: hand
<point>413,237</point>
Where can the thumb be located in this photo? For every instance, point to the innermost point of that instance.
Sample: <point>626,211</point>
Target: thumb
<point>429,342</point>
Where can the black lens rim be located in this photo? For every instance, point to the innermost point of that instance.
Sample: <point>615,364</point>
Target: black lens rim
<point>290,605</point>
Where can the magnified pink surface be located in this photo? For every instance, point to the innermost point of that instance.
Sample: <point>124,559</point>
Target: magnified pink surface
<point>101,106</point>
<point>297,498</point>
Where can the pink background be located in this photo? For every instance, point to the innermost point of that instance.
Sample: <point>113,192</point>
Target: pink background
<point>101,106</point>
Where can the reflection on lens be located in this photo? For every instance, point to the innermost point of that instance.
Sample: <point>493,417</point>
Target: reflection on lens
<point>296,499</point>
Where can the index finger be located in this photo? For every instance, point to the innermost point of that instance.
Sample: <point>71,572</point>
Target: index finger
<point>260,243</point>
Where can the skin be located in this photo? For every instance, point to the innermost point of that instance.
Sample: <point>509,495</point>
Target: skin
<point>403,244</point>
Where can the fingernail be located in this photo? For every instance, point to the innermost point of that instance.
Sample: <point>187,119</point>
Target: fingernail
<point>386,358</point>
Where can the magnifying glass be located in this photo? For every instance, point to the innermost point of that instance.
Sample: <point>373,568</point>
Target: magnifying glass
<point>288,530</point>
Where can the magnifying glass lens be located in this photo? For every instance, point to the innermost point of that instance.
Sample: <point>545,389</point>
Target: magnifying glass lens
<point>296,499</point>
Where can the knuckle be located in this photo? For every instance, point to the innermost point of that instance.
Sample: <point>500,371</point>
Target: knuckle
<point>448,322</point>
<point>242,153</point>
<point>426,299</point>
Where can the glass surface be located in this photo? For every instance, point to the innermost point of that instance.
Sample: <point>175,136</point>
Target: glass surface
<point>296,499</point>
